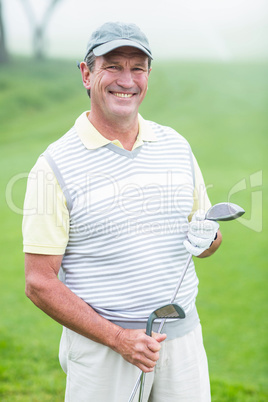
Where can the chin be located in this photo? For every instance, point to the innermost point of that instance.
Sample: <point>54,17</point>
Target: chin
<point>124,112</point>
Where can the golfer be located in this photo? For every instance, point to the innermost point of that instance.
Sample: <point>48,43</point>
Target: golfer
<point>111,212</point>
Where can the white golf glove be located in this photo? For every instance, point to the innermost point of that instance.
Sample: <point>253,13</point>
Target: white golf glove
<point>201,233</point>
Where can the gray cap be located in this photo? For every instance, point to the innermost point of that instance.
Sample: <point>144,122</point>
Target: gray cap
<point>112,35</point>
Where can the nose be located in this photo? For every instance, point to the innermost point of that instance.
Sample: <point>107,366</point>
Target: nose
<point>125,79</point>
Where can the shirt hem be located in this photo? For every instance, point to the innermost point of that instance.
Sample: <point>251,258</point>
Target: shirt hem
<point>172,328</point>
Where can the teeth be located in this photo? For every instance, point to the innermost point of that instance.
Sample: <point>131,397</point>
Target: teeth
<point>120,95</point>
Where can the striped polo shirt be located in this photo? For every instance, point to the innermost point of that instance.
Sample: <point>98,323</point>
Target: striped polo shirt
<point>128,217</point>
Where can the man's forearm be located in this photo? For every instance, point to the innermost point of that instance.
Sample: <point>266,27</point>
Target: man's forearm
<point>48,293</point>
<point>61,304</point>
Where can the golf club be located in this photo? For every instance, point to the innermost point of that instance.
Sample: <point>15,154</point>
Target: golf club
<point>164,312</point>
<point>223,211</point>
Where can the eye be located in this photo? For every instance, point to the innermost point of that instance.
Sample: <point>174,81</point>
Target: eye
<point>138,69</point>
<point>112,68</point>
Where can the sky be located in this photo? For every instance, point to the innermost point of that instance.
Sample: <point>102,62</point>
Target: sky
<point>191,29</point>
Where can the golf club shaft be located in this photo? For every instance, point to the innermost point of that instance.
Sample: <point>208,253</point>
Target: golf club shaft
<point>142,386</point>
<point>133,393</point>
<point>176,289</point>
<point>163,321</point>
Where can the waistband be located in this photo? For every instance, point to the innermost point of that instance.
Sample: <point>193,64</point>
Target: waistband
<point>173,328</point>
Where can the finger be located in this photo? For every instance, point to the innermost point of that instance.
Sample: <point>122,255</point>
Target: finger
<point>203,228</point>
<point>147,360</point>
<point>159,337</point>
<point>154,345</point>
<point>196,251</point>
<point>150,358</point>
<point>148,349</point>
<point>145,369</point>
<point>200,241</point>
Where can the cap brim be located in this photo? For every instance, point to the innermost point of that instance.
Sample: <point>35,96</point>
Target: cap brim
<point>109,46</point>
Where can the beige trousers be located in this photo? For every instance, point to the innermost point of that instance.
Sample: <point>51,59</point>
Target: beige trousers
<point>95,373</point>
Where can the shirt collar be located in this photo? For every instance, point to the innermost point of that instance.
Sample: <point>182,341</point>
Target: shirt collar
<point>92,138</point>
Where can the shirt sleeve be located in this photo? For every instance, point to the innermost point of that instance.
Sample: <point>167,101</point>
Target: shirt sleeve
<point>201,200</point>
<point>45,225</point>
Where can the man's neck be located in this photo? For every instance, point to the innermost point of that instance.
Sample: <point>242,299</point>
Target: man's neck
<point>122,129</point>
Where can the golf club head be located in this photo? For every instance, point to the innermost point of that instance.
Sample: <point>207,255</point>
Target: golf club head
<point>171,310</point>
<point>224,211</point>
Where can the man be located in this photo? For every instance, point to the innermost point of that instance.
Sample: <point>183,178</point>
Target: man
<point>107,209</point>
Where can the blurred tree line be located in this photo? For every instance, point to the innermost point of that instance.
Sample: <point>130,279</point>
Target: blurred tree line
<point>38,29</point>
<point>3,49</point>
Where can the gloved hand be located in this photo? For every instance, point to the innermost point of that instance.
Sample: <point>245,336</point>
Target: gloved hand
<point>201,233</point>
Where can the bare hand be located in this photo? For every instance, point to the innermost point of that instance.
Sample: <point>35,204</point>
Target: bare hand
<point>138,348</point>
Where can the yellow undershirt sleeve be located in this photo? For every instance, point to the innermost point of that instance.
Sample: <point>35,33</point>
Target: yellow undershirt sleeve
<point>201,200</point>
<point>45,224</point>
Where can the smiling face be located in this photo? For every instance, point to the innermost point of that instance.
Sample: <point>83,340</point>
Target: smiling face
<point>118,84</point>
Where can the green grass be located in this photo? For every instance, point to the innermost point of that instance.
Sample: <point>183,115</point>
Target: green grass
<point>221,110</point>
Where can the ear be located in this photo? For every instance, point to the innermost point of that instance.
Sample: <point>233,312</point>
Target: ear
<point>85,75</point>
